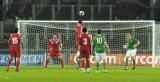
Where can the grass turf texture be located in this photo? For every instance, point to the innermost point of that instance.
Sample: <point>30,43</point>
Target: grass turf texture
<point>70,74</point>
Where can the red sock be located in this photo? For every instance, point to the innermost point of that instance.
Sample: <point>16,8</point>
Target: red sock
<point>17,64</point>
<point>82,61</point>
<point>88,63</point>
<point>47,61</point>
<point>9,62</point>
<point>62,62</point>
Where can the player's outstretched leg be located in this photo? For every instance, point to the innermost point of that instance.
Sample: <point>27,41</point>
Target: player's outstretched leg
<point>126,68</point>
<point>17,64</point>
<point>104,65</point>
<point>83,64</point>
<point>97,65</point>
<point>10,60</point>
<point>78,60</point>
<point>61,61</point>
<point>47,61</point>
<point>97,58</point>
<point>88,65</point>
<point>134,63</point>
<point>9,63</point>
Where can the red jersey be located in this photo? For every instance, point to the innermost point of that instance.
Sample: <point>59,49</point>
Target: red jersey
<point>54,45</point>
<point>85,41</point>
<point>14,39</point>
<point>78,30</point>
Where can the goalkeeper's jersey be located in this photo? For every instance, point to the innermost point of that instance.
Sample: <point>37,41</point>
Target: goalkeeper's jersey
<point>99,43</point>
<point>131,42</point>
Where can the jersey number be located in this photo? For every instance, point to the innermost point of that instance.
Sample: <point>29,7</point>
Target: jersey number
<point>85,41</point>
<point>99,40</point>
<point>15,40</point>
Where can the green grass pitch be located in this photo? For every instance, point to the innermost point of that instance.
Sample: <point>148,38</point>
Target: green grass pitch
<point>70,74</point>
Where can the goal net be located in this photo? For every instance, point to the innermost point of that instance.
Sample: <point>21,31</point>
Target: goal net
<point>37,33</point>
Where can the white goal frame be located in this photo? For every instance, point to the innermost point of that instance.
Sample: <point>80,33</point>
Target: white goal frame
<point>152,21</point>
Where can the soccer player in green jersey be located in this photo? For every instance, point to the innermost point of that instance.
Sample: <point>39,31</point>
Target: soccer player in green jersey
<point>100,47</point>
<point>131,47</point>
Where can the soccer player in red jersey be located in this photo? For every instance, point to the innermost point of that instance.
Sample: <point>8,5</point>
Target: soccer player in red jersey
<point>54,45</point>
<point>85,49</point>
<point>78,30</point>
<point>14,42</point>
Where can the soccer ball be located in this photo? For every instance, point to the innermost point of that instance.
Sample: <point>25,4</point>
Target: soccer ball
<point>81,13</point>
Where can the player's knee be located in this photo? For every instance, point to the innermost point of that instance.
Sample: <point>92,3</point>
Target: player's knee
<point>97,60</point>
<point>104,60</point>
<point>77,59</point>
<point>59,57</point>
<point>133,57</point>
<point>82,58</point>
<point>18,59</point>
<point>127,57</point>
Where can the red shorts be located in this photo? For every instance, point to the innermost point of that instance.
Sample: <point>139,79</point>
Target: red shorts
<point>15,50</point>
<point>84,52</point>
<point>51,53</point>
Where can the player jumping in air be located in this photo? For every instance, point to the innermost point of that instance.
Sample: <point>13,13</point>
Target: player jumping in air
<point>14,42</point>
<point>131,47</point>
<point>100,46</point>
<point>55,46</point>
<point>78,30</point>
<point>85,50</point>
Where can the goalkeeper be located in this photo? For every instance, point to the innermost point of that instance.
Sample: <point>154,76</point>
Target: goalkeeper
<point>100,47</point>
<point>131,47</point>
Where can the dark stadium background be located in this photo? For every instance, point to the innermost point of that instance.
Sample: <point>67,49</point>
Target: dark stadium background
<point>13,10</point>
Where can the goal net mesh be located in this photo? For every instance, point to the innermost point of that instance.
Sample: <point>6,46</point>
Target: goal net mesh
<point>37,33</point>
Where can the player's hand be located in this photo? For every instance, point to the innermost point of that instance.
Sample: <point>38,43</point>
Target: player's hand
<point>124,46</point>
<point>135,46</point>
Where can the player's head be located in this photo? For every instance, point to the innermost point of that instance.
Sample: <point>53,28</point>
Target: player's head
<point>80,21</point>
<point>55,36</point>
<point>15,30</point>
<point>84,30</point>
<point>99,31</point>
<point>129,35</point>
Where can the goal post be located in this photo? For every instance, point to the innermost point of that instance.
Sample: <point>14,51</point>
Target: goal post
<point>36,34</point>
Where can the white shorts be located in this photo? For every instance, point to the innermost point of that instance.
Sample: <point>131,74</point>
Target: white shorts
<point>100,56</point>
<point>131,52</point>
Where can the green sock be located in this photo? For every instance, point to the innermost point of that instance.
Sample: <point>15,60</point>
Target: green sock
<point>134,63</point>
<point>97,64</point>
<point>104,65</point>
<point>78,62</point>
<point>126,62</point>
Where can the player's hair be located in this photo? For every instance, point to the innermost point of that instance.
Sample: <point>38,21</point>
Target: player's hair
<point>99,31</point>
<point>80,21</point>
<point>15,30</point>
<point>84,30</point>
<point>130,33</point>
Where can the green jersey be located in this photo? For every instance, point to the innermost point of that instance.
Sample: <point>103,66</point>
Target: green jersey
<point>99,43</point>
<point>131,42</point>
